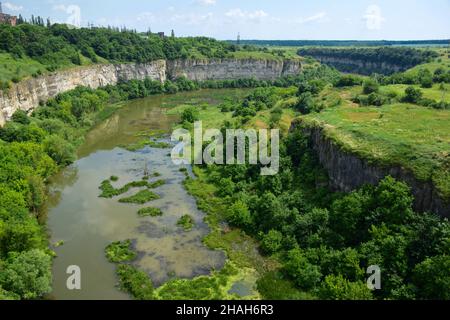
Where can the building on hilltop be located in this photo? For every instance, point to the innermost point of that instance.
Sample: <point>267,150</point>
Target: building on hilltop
<point>6,18</point>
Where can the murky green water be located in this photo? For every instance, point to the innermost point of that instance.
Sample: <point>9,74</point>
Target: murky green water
<point>87,223</point>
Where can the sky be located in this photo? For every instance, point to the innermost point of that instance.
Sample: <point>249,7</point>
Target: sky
<point>255,19</point>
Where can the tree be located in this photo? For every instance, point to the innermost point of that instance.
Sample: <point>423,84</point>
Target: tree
<point>271,242</point>
<point>432,278</point>
<point>370,86</point>
<point>306,103</point>
<point>21,117</point>
<point>305,274</point>
<point>412,95</point>
<point>28,274</point>
<point>61,151</point>
<point>338,288</point>
<point>190,115</point>
<point>239,215</point>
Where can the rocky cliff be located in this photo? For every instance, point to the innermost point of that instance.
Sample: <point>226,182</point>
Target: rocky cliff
<point>224,69</point>
<point>27,94</point>
<point>348,172</point>
<point>359,66</point>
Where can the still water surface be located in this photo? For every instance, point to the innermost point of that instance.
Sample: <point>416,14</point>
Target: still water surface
<point>87,224</point>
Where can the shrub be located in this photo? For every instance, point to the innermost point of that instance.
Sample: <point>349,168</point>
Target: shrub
<point>271,242</point>
<point>370,86</point>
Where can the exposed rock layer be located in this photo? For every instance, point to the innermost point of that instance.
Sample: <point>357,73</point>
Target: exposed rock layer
<point>27,94</point>
<point>348,172</point>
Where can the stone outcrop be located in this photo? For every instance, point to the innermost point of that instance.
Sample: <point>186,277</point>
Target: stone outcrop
<point>348,172</point>
<point>363,67</point>
<point>27,94</point>
<point>225,69</point>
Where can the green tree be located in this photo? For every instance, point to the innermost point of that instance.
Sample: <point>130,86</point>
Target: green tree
<point>28,274</point>
<point>338,288</point>
<point>239,215</point>
<point>20,116</point>
<point>272,241</point>
<point>412,95</point>
<point>305,274</point>
<point>190,115</point>
<point>432,278</point>
<point>370,86</point>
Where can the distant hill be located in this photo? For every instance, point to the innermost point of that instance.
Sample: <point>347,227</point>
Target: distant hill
<point>343,43</point>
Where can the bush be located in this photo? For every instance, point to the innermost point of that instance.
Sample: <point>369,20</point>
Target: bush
<point>271,242</point>
<point>370,86</point>
<point>190,115</point>
<point>305,274</point>
<point>21,117</point>
<point>135,282</point>
<point>338,288</point>
<point>239,215</point>
<point>61,151</point>
<point>412,95</point>
<point>348,81</point>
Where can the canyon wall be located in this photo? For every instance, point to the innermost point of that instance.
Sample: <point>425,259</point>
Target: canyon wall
<point>359,66</point>
<point>27,94</point>
<point>348,172</point>
<point>225,69</point>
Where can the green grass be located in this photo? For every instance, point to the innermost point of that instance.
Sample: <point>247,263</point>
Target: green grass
<point>410,136</point>
<point>150,212</point>
<point>254,55</point>
<point>434,93</point>
<point>135,282</point>
<point>141,197</point>
<point>108,191</point>
<point>120,252</point>
<point>18,68</point>
<point>442,62</point>
<point>186,222</point>
<point>146,143</point>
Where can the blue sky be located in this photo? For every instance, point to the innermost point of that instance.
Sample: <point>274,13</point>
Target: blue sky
<point>256,19</point>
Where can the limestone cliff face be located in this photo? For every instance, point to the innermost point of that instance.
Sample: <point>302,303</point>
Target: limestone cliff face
<point>27,94</point>
<point>225,69</point>
<point>362,66</point>
<point>348,172</point>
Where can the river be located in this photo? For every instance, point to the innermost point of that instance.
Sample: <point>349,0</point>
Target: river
<point>86,224</point>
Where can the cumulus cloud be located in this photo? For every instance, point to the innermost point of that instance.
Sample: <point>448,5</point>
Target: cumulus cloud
<point>12,6</point>
<point>74,12</point>
<point>254,16</point>
<point>374,18</point>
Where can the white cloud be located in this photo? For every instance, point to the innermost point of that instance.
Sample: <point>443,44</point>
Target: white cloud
<point>374,18</point>
<point>12,6</point>
<point>255,16</point>
<point>318,17</point>
<point>73,11</point>
<point>207,2</point>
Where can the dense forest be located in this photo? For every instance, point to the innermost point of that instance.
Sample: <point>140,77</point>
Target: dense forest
<point>384,60</point>
<point>58,44</point>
